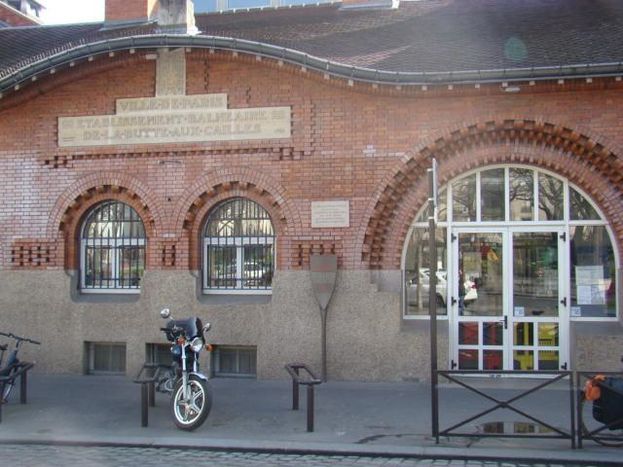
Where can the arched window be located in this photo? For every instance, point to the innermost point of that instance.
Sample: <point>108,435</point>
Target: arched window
<point>112,249</point>
<point>525,202</point>
<point>238,249</point>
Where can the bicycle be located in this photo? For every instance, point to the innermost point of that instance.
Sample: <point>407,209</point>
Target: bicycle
<point>12,366</point>
<point>605,391</point>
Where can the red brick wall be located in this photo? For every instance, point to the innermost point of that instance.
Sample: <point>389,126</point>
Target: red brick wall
<point>14,18</point>
<point>365,144</point>
<point>123,10</point>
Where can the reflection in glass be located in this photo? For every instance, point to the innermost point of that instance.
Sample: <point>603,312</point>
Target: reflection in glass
<point>523,334</point>
<point>548,334</point>
<point>580,208</point>
<point>417,272</point>
<point>480,281</point>
<point>468,333</point>
<point>593,285</point>
<point>548,360</point>
<point>521,194</point>
<point>464,199</point>
<point>535,273</point>
<point>492,333</point>
<point>492,195</point>
<point>551,198</point>
<point>493,360</point>
<point>523,360</point>
<point>468,359</point>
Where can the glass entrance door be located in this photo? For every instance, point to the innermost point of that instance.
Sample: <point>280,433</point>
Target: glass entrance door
<point>538,300</point>
<point>479,297</point>
<point>507,299</point>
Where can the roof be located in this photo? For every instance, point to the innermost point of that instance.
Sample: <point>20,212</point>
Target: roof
<point>426,37</point>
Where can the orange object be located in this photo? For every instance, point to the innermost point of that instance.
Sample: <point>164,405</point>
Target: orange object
<point>592,392</point>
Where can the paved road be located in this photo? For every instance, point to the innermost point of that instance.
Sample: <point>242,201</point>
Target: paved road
<point>68,456</point>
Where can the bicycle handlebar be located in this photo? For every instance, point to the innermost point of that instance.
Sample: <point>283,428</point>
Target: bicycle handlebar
<point>18,338</point>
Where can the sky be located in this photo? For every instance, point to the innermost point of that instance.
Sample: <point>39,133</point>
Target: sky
<point>72,11</point>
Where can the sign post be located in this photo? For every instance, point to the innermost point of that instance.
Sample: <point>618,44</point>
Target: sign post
<point>432,293</point>
<point>323,269</point>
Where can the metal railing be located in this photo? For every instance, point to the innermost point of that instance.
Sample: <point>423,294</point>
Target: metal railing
<point>507,404</point>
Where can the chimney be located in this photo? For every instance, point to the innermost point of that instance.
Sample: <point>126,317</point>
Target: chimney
<point>118,11</point>
<point>173,16</point>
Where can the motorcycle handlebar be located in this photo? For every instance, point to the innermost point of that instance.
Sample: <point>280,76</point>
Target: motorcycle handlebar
<point>18,338</point>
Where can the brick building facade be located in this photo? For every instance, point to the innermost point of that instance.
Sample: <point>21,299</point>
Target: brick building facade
<point>351,138</point>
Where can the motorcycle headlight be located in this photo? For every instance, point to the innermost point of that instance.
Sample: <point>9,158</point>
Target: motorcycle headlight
<point>196,345</point>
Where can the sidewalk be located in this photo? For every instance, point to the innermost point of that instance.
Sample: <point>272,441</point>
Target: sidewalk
<point>351,418</point>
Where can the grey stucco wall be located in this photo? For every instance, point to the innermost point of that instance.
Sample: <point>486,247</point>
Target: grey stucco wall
<point>367,337</point>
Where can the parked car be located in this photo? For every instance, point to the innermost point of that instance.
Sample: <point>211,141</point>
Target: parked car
<point>419,284</point>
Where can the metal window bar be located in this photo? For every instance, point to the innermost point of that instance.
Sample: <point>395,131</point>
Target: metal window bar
<point>238,247</point>
<point>113,248</point>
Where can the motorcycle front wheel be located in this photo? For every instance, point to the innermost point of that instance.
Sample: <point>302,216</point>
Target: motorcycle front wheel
<point>190,414</point>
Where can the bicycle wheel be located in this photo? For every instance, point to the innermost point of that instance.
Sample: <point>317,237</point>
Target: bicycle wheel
<point>597,431</point>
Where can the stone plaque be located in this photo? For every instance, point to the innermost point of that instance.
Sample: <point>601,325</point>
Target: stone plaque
<point>171,104</point>
<point>153,127</point>
<point>171,73</point>
<point>330,214</point>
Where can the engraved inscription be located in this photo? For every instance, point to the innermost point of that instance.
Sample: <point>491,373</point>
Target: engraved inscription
<point>330,214</point>
<point>171,103</point>
<point>171,73</point>
<point>173,127</point>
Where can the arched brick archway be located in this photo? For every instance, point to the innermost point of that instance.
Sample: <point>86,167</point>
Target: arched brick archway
<point>68,213</point>
<point>211,189</point>
<point>585,162</point>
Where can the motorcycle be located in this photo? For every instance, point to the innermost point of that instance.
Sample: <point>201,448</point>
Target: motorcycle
<point>191,393</point>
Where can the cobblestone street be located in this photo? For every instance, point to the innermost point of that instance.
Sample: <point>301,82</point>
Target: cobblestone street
<point>45,455</point>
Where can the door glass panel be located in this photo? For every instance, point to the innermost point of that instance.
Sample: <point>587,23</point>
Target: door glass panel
<point>523,360</point>
<point>593,285</point>
<point>468,359</point>
<point>492,333</point>
<point>523,334</point>
<point>535,274</point>
<point>492,195</point>
<point>417,272</point>
<point>521,194</point>
<point>468,333</point>
<point>464,199</point>
<point>548,360</point>
<point>493,360</point>
<point>551,198</point>
<point>548,334</point>
<point>480,281</point>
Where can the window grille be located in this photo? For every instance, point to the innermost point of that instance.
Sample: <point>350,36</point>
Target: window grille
<point>238,248</point>
<point>232,361</point>
<point>106,358</point>
<point>112,249</point>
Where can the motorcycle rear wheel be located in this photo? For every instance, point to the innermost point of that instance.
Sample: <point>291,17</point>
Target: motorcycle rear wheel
<point>189,415</point>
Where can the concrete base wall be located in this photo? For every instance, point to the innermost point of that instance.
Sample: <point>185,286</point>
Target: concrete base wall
<point>367,338</point>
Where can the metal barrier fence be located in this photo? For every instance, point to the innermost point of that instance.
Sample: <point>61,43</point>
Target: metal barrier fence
<point>546,378</point>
